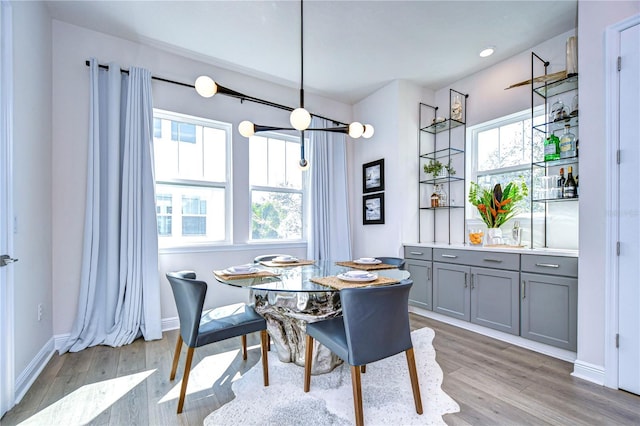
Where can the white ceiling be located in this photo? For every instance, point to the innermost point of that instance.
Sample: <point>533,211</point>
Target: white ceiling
<point>351,48</point>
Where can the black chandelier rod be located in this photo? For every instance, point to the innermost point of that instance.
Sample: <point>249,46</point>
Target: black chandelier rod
<point>228,92</point>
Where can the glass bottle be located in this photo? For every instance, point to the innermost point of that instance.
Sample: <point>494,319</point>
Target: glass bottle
<point>551,148</point>
<point>561,182</point>
<point>443,196</point>
<point>567,143</point>
<point>570,185</point>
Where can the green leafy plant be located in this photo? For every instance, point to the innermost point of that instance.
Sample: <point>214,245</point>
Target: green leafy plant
<point>497,206</point>
<point>434,167</point>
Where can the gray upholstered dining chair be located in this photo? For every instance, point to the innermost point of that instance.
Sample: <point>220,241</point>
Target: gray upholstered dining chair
<point>374,325</point>
<point>395,261</point>
<point>199,328</point>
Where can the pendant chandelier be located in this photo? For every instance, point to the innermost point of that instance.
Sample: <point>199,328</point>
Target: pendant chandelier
<point>300,118</point>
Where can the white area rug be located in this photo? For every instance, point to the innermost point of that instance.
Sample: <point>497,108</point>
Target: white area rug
<point>386,393</point>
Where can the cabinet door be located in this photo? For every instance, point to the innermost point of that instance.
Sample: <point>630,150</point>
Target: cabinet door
<point>549,309</point>
<point>451,290</point>
<point>421,273</point>
<point>495,299</point>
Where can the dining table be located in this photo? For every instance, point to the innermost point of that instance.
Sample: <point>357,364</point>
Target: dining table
<point>291,294</point>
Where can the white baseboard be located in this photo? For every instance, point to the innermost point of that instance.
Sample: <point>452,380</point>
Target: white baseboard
<point>29,375</point>
<point>589,372</point>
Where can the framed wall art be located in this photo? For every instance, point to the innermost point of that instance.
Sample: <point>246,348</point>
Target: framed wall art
<point>373,176</point>
<point>373,209</point>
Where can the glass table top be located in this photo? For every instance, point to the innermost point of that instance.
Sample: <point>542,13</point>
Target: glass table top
<point>297,278</point>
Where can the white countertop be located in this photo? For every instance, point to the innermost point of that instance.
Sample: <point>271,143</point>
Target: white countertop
<point>519,250</point>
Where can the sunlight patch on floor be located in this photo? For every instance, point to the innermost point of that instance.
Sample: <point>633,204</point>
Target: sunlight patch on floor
<point>213,370</point>
<point>86,403</point>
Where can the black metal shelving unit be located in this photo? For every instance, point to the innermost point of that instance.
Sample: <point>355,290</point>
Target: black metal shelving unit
<point>445,153</point>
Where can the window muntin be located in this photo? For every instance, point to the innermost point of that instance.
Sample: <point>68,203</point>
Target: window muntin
<point>192,171</point>
<point>277,188</point>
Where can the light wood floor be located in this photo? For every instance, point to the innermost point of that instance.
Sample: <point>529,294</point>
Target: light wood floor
<point>494,383</point>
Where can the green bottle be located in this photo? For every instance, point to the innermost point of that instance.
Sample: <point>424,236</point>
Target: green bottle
<point>551,148</point>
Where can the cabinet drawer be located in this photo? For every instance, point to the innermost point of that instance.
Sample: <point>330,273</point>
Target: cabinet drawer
<point>550,265</point>
<point>418,253</point>
<point>488,259</point>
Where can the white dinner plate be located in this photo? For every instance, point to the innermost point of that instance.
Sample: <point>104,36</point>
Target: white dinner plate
<point>367,262</point>
<point>233,271</point>
<point>285,260</point>
<point>358,278</point>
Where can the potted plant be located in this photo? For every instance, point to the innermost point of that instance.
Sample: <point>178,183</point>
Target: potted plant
<point>497,206</point>
<point>435,168</point>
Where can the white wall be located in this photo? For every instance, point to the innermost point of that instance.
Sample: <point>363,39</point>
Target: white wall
<point>594,17</point>
<point>72,46</point>
<point>32,180</point>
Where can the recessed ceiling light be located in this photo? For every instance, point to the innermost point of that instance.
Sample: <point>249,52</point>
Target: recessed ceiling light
<point>487,52</point>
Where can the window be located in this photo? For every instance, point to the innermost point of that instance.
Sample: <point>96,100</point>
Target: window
<point>193,191</point>
<point>501,152</point>
<point>277,188</point>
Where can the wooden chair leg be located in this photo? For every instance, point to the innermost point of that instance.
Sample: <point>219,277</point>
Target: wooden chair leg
<point>185,379</point>
<point>176,357</point>
<point>413,373</point>
<point>308,354</point>
<point>264,339</point>
<point>268,342</point>
<point>363,368</point>
<point>357,394</point>
<point>244,346</point>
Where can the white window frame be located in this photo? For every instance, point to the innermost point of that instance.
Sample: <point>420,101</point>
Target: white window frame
<point>303,191</point>
<point>226,185</point>
<point>472,173</point>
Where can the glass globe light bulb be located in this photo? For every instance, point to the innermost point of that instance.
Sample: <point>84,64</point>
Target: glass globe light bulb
<point>247,129</point>
<point>303,164</point>
<point>368,131</point>
<point>300,119</point>
<point>356,129</point>
<point>205,86</point>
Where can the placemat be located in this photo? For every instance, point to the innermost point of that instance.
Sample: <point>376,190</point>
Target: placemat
<point>224,276</point>
<point>300,262</point>
<point>372,267</point>
<point>339,284</point>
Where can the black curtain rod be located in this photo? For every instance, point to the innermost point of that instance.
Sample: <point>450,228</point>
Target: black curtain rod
<point>237,96</point>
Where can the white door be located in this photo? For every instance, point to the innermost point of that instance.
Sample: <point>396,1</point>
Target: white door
<point>629,213</point>
<point>6,211</point>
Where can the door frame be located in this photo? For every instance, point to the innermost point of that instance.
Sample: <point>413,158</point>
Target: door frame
<point>7,373</point>
<point>612,51</point>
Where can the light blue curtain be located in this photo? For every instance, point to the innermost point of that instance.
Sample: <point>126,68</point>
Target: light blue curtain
<point>119,289</point>
<point>329,233</point>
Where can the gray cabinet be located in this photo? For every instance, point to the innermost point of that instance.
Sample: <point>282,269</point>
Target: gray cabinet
<point>451,295</point>
<point>484,296</point>
<point>418,263</point>
<point>549,300</point>
<point>495,299</point>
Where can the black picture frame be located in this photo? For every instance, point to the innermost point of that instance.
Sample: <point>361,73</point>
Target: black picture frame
<point>373,209</point>
<point>373,176</point>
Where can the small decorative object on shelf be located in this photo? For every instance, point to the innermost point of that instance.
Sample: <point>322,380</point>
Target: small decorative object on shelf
<point>456,106</point>
<point>497,206</point>
<point>436,169</point>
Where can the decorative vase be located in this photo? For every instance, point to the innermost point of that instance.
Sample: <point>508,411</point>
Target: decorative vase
<point>494,236</point>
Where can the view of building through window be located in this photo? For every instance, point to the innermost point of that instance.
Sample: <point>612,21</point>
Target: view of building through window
<point>192,182</point>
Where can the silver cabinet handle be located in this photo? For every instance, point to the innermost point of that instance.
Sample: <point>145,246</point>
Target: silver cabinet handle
<point>465,280</point>
<point>429,276</point>
<point>492,259</point>
<point>523,289</point>
<point>419,253</point>
<point>548,265</point>
<point>450,256</point>
<point>471,281</point>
